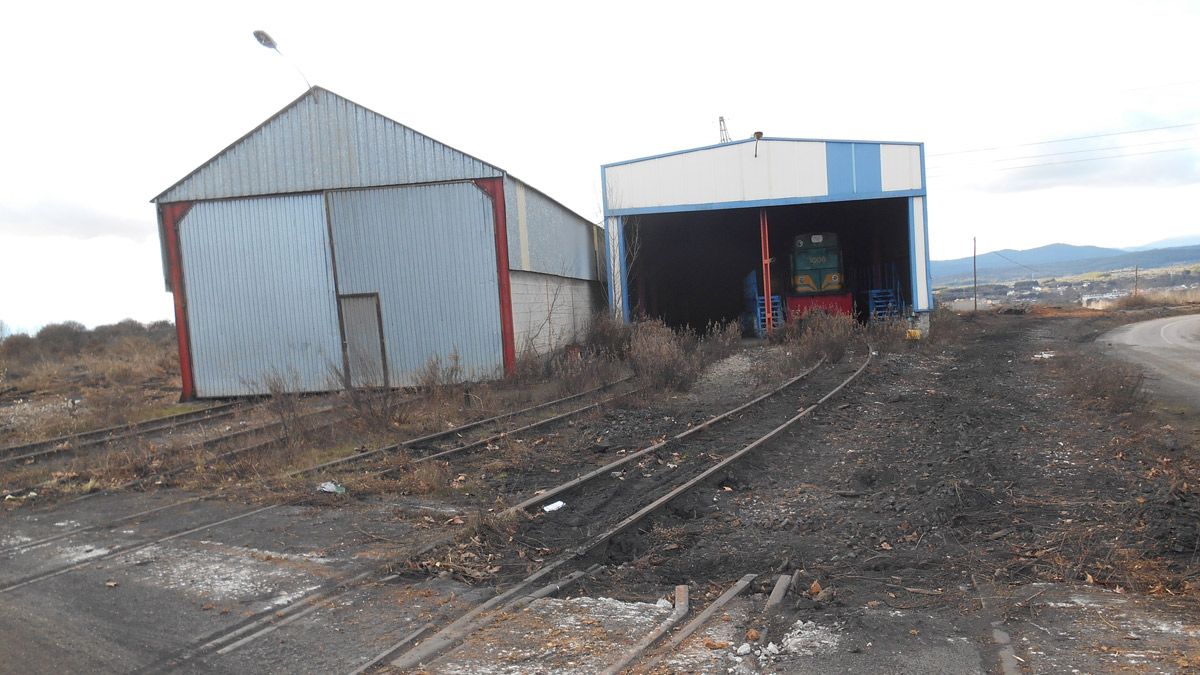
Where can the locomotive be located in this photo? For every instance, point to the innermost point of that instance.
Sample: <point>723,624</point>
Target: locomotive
<point>818,278</point>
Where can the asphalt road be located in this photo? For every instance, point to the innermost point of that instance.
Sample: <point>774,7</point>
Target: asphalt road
<point>1169,349</point>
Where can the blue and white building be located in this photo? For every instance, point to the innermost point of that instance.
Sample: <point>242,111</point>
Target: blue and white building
<point>683,229</point>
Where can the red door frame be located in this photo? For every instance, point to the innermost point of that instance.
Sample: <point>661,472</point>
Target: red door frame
<point>170,216</point>
<point>494,189</point>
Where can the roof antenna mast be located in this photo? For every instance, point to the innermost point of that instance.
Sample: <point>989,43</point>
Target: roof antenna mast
<point>265,40</point>
<point>724,131</point>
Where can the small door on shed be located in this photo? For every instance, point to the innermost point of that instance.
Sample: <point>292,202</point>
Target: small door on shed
<point>364,340</point>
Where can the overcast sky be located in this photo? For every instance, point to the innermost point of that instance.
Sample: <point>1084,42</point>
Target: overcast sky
<point>106,104</point>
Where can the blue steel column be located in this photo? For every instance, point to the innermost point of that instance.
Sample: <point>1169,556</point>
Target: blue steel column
<point>624,270</point>
<point>912,255</point>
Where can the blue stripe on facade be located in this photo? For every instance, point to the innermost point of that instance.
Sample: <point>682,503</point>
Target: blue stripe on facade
<point>868,172</point>
<point>839,167</point>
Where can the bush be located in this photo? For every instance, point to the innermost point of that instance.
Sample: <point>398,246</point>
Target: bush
<point>722,339</point>
<point>819,333</point>
<point>608,336</point>
<point>666,359</point>
<point>62,339</point>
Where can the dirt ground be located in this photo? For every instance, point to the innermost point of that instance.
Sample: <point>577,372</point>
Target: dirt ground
<point>998,498</point>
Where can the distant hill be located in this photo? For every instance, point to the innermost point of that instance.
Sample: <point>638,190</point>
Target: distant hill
<point>1056,260</point>
<point>1005,260</point>
<point>1189,240</point>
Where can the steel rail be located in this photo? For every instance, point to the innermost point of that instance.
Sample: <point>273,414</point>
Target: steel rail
<point>348,458</point>
<point>547,495</point>
<point>695,624</point>
<point>451,432</point>
<point>86,439</point>
<point>454,633</point>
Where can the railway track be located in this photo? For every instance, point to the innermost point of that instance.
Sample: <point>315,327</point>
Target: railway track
<point>515,596</point>
<point>347,459</point>
<point>224,643</point>
<point>61,445</point>
<point>414,649</point>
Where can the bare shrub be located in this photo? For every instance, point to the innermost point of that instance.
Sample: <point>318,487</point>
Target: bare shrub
<point>825,334</point>
<point>284,404</point>
<point>946,326</point>
<point>425,478</point>
<point>721,339</point>
<point>665,358</point>
<point>887,335</point>
<point>608,336</point>
<point>439,377</point>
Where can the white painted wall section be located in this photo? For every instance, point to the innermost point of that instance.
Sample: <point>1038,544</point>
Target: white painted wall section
<point>900,167</point>
<point>549,311</point>
<point>727,173</point>
<point>921,298</point>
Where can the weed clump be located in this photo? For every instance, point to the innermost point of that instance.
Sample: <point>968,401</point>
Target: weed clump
<point>819,333</point>
<point>665,358</point>
<point>439,377</point>
<point>608,336</point>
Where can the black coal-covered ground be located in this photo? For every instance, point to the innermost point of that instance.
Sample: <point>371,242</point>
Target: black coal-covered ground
<point>944,466</point>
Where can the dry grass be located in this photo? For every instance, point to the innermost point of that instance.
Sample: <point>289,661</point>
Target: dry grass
<point>946,326</point>
<point>1150,299</point>
<point>1097,380</point>
<point>663,357</point>
<point>820,333</point>
<point>439,378</point>
<point>887,335</point>
<point>608,336</point>
<point>721,339</point>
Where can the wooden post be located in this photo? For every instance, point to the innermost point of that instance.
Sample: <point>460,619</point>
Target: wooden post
<point>975,270</point>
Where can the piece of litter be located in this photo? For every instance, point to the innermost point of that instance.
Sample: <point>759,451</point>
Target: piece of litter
<point>331,487</point>
<point>111,584</point>
<point>554,507</point>
<point>1044,355</point>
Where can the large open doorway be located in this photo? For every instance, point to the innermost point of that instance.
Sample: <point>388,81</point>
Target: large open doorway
<point>692,268</point>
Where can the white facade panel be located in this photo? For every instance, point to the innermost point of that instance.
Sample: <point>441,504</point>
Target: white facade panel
<point>921,294</point>
<point>429,252</point>
<point>728,173</point>
<point>260,296</point>
<point>900,167</point>
<point>549,311</point>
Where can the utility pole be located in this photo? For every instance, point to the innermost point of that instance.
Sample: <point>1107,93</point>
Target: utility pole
<point>1135,279</point>
<point>975,270</point>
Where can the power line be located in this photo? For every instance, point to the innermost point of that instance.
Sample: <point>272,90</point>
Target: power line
<point>1075,152</point>
<point>1092,159</point>
<point>1075,161</point>
<point>1064,140</point>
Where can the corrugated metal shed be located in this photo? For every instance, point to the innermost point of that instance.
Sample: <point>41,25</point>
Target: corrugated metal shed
<point>322,141</point>
<point>428,252</point>
<point>260,298</point>
<point>331,244</point>
<point>760,174</point>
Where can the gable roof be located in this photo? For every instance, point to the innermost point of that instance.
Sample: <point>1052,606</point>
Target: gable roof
<point>322,141</point>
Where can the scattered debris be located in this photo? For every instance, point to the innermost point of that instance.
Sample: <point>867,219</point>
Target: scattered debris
<point>554,506</point>
<point>332,488</point>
